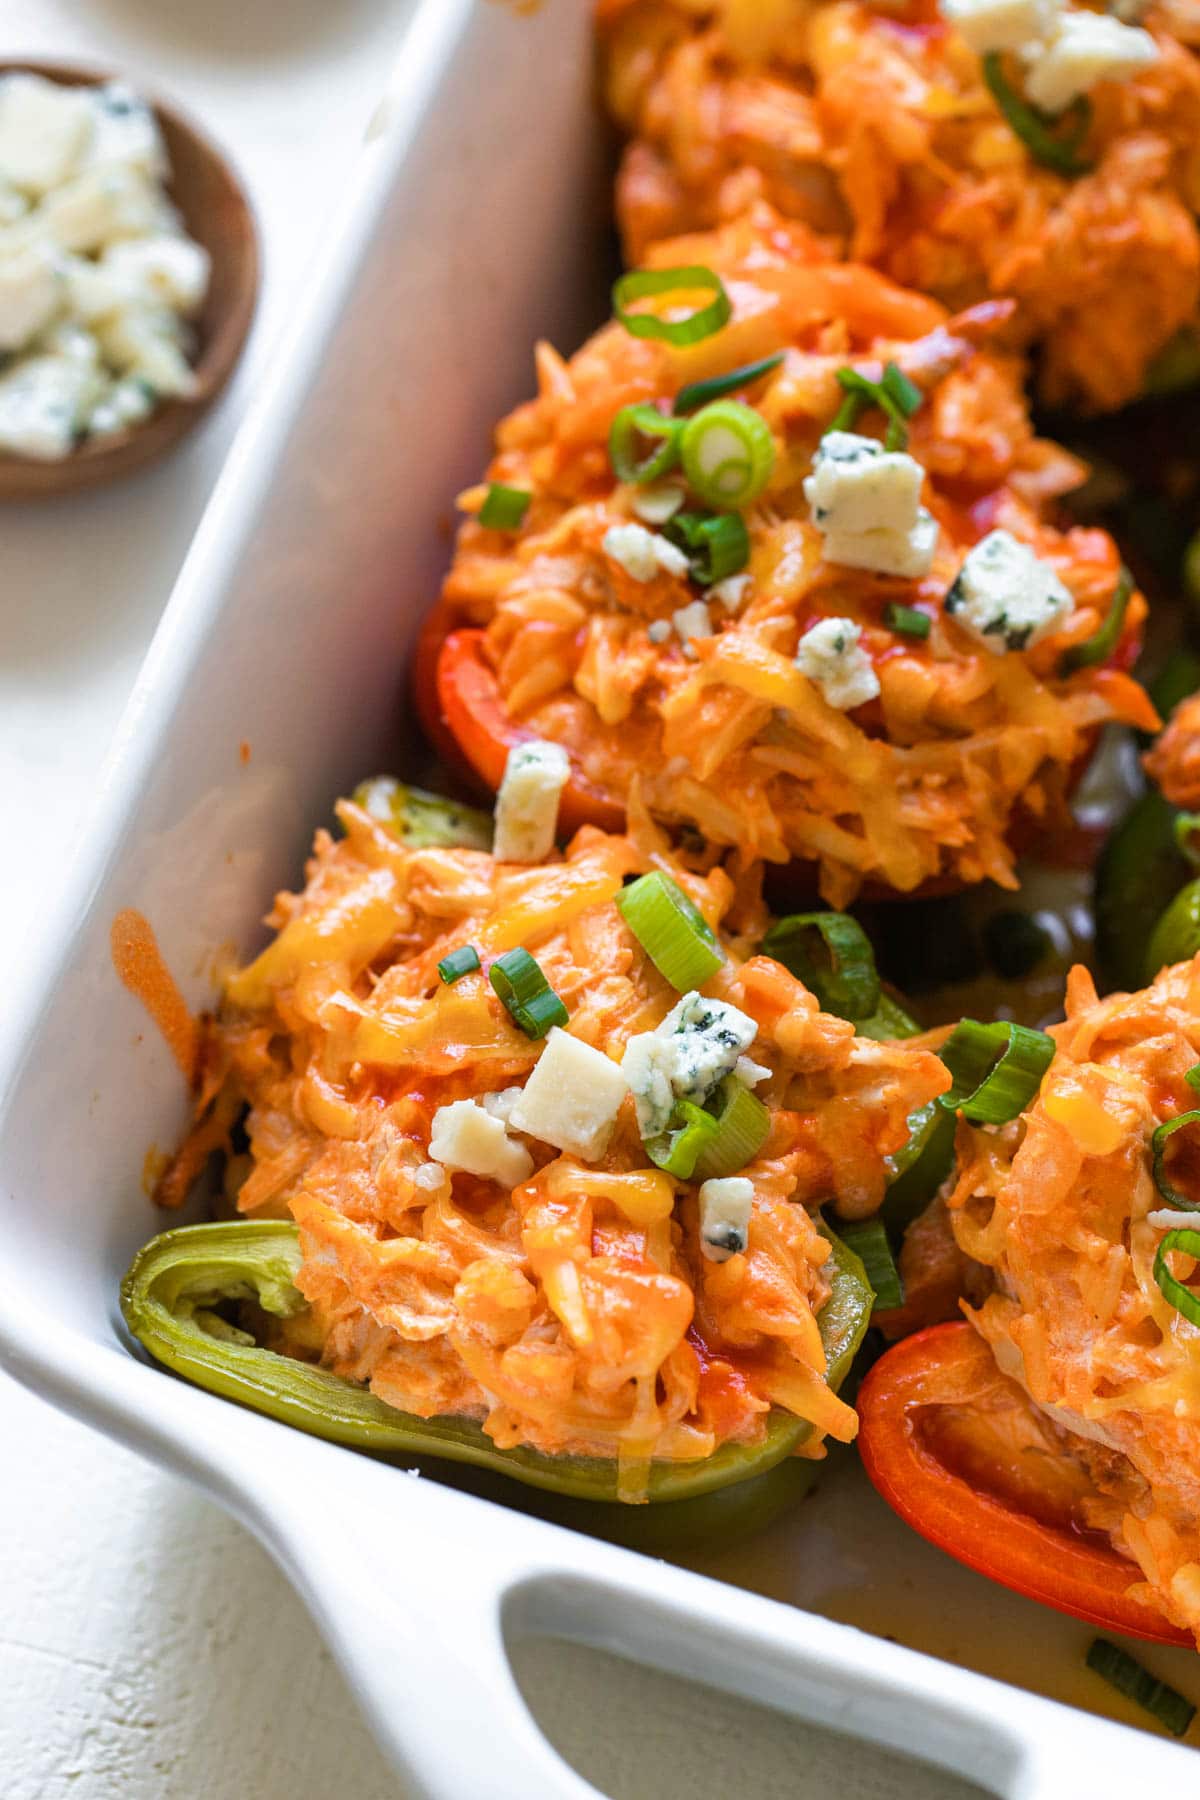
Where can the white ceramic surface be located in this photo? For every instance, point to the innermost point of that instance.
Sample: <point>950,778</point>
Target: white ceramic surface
<point>467,234</point>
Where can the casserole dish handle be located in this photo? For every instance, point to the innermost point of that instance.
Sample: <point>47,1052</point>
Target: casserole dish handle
<point>419,1596</point>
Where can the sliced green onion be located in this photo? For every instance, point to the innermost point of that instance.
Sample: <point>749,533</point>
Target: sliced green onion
<point>1193,1077</point>
<point>743,1127</point>
<point>644,421</point>
<point>844,979</point>
<point>728,454</point>
<point>525,993</point>
<point>908,621</point>
<point>905,394</point>
<point>869,1242</point>
<point>1158,1153</point>
<point>504,508</point>
<point>997,1069</point>
<point>690,1131</point>
<point>716,545</point>
<point>671,930</point>
<point>702,393</point>
<point>1015,943</point>
<point>459,963</point>
<point>1184,1299</point>
<point>1186,831</point>
<point>1103,641</point>
<point>645,284</point>
<point>888,1022</point>
<point>1122,1672</point>
<point>894,394</point>
<point>1034,128</point>
<point>919,1169</point>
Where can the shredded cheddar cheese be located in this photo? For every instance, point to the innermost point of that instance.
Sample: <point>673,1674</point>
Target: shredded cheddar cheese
<point>1062,1207</point>
<point>573,1310</point>
<point>959,744</point>
<point>873,126</point>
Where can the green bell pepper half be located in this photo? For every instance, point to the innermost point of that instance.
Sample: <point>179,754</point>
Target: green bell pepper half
<point>1176,937</point>
<point>421,819</point>
<point>1140,872</point>
<point>178,1279</point>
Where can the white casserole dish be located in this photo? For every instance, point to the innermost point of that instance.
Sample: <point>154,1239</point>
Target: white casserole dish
<point>476,223</point>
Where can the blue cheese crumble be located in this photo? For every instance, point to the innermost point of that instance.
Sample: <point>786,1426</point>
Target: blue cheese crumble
<point>696,1046</point>
<point>867,501</point>
<point>725,1206</point>
<point>572,1098</point>
<point>730,593</point>
<point>644,554</point>
<point>830,655</point>
<point>90,247</point>
<point>1087,48</point>
<point>466,1137</point>
<point>988,25</point>
<point>1066,52</point>
<point>857,485</point>
<point>1006,597</point>
<point>692,621</point>
<point>535,775</point>
<point>906,553</point>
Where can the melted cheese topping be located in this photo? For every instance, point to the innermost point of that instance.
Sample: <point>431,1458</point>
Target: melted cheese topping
<point>928,777</point>
<point>1062,1206</point>
<point>455,1259</point>
<point>873,125</point>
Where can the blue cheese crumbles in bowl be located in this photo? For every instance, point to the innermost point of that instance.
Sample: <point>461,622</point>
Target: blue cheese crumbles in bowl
<point>128,273</point>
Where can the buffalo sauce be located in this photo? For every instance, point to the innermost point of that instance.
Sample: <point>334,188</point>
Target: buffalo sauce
<point>139,964</point>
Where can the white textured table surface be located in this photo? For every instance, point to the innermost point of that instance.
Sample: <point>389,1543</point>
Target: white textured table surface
<point>148,1649</point>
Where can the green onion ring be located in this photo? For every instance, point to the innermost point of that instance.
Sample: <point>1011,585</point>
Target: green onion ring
<point>728,454</point>
<point>1158,1154</point>
<point>997,1069</point>
<point>1033,126</point>
<point>671,930</point>
<point>848,983</point>
<point>717,545</point>
<point>690,1131</point>
<point>458,963</point>
<point>1103,641</point>
<point>743,1126</point>
<point>1123,1672</point>
<point>888,1022</point>
<point>1170,1287</point>
<point>504,508</point>
<point>907,621</point>
<point>894,394</point>
<point>904,393</point>
<point>644,421</point>
<point>525,993</point>
<point>869,1242</point>
<point>643,284</point>
<point>700,393</point>
<point>918,1168</point>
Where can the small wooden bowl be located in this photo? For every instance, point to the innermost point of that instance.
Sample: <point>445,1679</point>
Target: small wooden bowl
<point>217,213</point>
